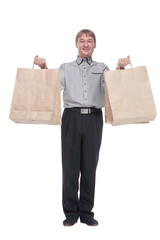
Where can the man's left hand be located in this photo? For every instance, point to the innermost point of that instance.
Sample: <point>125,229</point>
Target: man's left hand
<point>122,62</point>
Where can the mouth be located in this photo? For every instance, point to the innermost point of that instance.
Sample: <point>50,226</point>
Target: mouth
<point>86,50</point>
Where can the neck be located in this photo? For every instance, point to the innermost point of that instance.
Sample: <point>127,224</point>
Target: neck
<point>83,57</point>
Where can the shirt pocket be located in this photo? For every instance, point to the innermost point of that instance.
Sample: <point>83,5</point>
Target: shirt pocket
<point>96,75</point>
<point>98,79</point>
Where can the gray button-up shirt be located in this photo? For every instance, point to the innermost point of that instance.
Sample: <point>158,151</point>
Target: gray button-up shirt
<point>83,83</point>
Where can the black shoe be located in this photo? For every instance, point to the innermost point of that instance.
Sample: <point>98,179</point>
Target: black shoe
<point>89,221</point>
<point>69,221</point>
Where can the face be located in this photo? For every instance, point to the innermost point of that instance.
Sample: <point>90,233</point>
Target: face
<point>85,45</point>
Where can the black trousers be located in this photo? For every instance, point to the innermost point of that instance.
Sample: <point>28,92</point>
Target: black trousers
<point>81,136</point>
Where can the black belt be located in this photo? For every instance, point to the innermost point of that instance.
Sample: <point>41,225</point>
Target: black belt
<point>84,110</point>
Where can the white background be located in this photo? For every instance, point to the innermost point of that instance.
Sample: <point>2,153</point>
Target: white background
<point>128,175</point>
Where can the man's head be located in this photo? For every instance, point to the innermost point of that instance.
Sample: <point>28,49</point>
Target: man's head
<point>85,42</point>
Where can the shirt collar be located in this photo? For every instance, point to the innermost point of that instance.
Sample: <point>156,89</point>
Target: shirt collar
<point>80,60</point>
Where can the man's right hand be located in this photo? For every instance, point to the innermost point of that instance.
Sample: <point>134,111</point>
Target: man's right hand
<point>41,62</point>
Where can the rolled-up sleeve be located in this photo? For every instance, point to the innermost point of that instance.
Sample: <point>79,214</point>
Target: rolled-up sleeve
<point>62,75</point>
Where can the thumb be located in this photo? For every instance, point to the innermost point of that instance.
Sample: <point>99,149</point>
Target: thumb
<point>36,56</point>
<point>128,57</point>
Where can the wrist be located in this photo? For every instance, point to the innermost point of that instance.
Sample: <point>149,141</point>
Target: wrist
<point>44,66</point>
<point>119,67</point>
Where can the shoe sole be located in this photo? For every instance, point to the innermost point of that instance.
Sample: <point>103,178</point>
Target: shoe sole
<point>93,225</point>
<point>69,225</point>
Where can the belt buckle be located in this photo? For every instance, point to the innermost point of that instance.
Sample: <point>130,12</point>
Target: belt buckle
<point>85,111</point>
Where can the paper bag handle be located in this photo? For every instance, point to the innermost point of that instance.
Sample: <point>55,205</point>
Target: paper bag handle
<point>45,66</point>
<point>130,65</point>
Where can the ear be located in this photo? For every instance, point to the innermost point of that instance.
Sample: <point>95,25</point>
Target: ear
<point>76,45</point>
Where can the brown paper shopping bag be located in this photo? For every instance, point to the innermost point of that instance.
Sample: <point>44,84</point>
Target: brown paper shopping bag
<point>36,97</point>
<point>128,97</point>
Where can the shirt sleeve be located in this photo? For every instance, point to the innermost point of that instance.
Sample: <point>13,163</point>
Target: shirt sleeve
<point>105,68</point>
<point>62,75</point>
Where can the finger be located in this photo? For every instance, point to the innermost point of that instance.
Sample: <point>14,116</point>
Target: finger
<point>123,61</point>
<point>36,56</point>
<point>41,61</point>
<point>36,59</point>
<point>126,60</point>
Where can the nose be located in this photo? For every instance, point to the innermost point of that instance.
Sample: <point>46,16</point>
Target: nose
<point>86,44</point>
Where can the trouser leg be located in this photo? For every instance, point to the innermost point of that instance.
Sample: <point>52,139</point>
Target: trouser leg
<point>71,148</point>
<point>81,139</point>
<point>91,142</point>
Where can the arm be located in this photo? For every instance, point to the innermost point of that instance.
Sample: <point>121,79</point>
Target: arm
<point>62,75</point>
